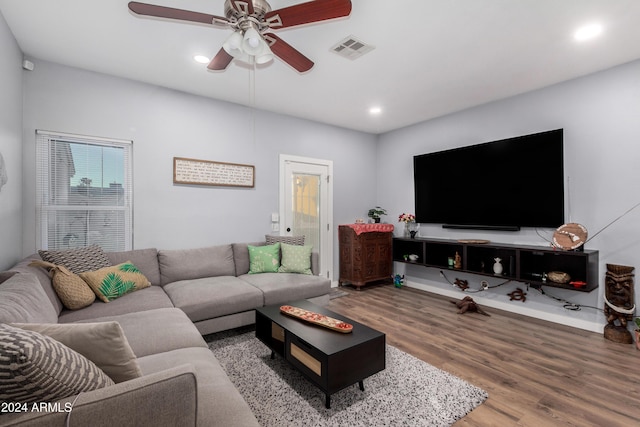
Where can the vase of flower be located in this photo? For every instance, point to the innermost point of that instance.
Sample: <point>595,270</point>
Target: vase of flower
<point>410,226</point>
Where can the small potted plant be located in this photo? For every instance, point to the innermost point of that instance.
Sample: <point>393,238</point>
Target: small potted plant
<point>374,213</point>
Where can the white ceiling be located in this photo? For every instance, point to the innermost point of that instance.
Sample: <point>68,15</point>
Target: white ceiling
<point>431,57</point>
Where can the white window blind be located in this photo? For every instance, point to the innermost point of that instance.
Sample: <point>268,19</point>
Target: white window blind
<point>84,192</point>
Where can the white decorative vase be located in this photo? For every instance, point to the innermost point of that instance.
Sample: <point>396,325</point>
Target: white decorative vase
<point>497,267</point>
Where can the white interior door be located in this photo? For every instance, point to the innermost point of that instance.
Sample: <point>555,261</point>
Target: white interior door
<point>306,207</point>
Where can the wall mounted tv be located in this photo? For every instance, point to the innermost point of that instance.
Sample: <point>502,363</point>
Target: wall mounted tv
<point>501,185</point>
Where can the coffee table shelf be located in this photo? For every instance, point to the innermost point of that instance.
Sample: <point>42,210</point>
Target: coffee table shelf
<point>330,360</point>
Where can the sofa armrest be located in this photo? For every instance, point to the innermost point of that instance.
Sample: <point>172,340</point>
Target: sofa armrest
<point>165,398</point>
<point>315,263</point>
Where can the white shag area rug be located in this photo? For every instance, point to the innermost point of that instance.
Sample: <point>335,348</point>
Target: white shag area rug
<point>409,392</point>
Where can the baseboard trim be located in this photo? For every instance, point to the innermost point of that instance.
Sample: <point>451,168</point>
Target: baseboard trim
<point>588,325</point>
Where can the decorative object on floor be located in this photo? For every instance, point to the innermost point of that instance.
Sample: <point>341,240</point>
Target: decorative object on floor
<point>517,295</point>
<point>462,284</point>
<point>398,280</point>
<point>3,173</point>
<point>570,237</point>
<point>376,213</point>
<point>457,261</point>
<point>408,391</point>
<point>468,304</point>
<point>619,306</point>
<point>559,277</point>
<point>317,319</point>
<point>249,20</point>
<point>207,172</point>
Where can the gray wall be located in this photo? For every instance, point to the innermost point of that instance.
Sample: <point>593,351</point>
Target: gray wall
<point>162,124</point>
<point>10,147</point>
<point>600,116</point>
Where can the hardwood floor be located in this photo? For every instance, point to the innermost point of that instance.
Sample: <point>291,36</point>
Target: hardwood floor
<point>537,373</point>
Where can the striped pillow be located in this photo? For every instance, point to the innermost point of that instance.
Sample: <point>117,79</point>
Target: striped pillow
<point>36,368</point>
<point>289,240</point>
<point>78,260</point>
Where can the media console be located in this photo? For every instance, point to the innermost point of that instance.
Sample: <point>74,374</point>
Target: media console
<point>528,264</point>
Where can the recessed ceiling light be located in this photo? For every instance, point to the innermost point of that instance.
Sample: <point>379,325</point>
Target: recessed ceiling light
<point>375,110</point>
<point>588,32</point>
<point>201,59</point>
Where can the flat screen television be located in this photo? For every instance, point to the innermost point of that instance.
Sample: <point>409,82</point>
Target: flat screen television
<point>502,185</point>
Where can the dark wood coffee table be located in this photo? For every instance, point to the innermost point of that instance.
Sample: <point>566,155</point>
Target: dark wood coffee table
<point>331,360</point>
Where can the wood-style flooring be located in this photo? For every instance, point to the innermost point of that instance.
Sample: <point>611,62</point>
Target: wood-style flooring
<point>537,373</point>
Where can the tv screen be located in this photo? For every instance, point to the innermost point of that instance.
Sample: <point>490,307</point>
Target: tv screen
<point>506,184</point>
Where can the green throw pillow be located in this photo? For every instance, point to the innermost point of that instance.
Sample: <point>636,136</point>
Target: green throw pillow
<point>296,259</point>
<point>112,282</point>
<point>264,259</point>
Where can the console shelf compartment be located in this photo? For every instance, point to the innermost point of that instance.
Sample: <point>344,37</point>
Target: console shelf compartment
<point>527,264</point>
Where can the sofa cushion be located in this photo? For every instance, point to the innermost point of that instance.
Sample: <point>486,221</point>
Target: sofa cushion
<point>283,287</point>
<point>149,298</point>
<point>22,299</point>
<point>264,259</point>
<point>110,283</point>
<point>157,331</point>
<point>6,275</point>
<point>241,256</point>
<point>196,263</point>
<point>145,259</point>
<point>295,259</point>
<point>77,260</point>
<point>43,277</point>
<point>211,297</point>
<point>36,368</point>
<point>219,402</point>
<point>103,343</point>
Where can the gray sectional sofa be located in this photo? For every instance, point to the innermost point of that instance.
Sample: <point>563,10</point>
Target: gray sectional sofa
<point>193,292</point>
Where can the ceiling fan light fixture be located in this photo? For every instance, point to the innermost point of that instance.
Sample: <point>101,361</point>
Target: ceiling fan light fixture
<point>265,56</point>
<point>253,42</point>
<point>233,45</point>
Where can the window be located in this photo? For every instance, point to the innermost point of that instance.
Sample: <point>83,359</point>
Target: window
<point>84,192</point>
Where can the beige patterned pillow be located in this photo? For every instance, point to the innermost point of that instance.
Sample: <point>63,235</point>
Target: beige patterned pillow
<point>112,282</point>
<point>36,368</point>
<point>104,343</point>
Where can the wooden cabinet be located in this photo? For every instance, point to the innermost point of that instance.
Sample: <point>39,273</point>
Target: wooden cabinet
<point>366,256</point>
<point>529,264</point>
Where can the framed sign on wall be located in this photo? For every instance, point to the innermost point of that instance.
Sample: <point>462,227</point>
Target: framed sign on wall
<point>207,172</point>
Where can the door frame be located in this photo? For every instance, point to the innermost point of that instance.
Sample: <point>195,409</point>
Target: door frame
<point>326,257</point>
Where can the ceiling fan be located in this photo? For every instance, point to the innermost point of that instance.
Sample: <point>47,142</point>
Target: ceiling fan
<point>251,20</point>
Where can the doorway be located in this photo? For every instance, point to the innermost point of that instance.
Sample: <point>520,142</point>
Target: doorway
<point>306,205</point>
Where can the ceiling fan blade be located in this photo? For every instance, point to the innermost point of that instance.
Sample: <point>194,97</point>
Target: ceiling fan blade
<point>288,53</point>
<point>179,14</point>
<point>244,7</point>
<point>220,61</point>
<point>305,13</point>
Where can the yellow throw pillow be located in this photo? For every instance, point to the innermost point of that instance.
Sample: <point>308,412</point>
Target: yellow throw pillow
<point>110,283</point>
<point>70,288</point>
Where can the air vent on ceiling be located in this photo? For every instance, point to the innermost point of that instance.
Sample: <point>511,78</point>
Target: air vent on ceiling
<point>352,48</point>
